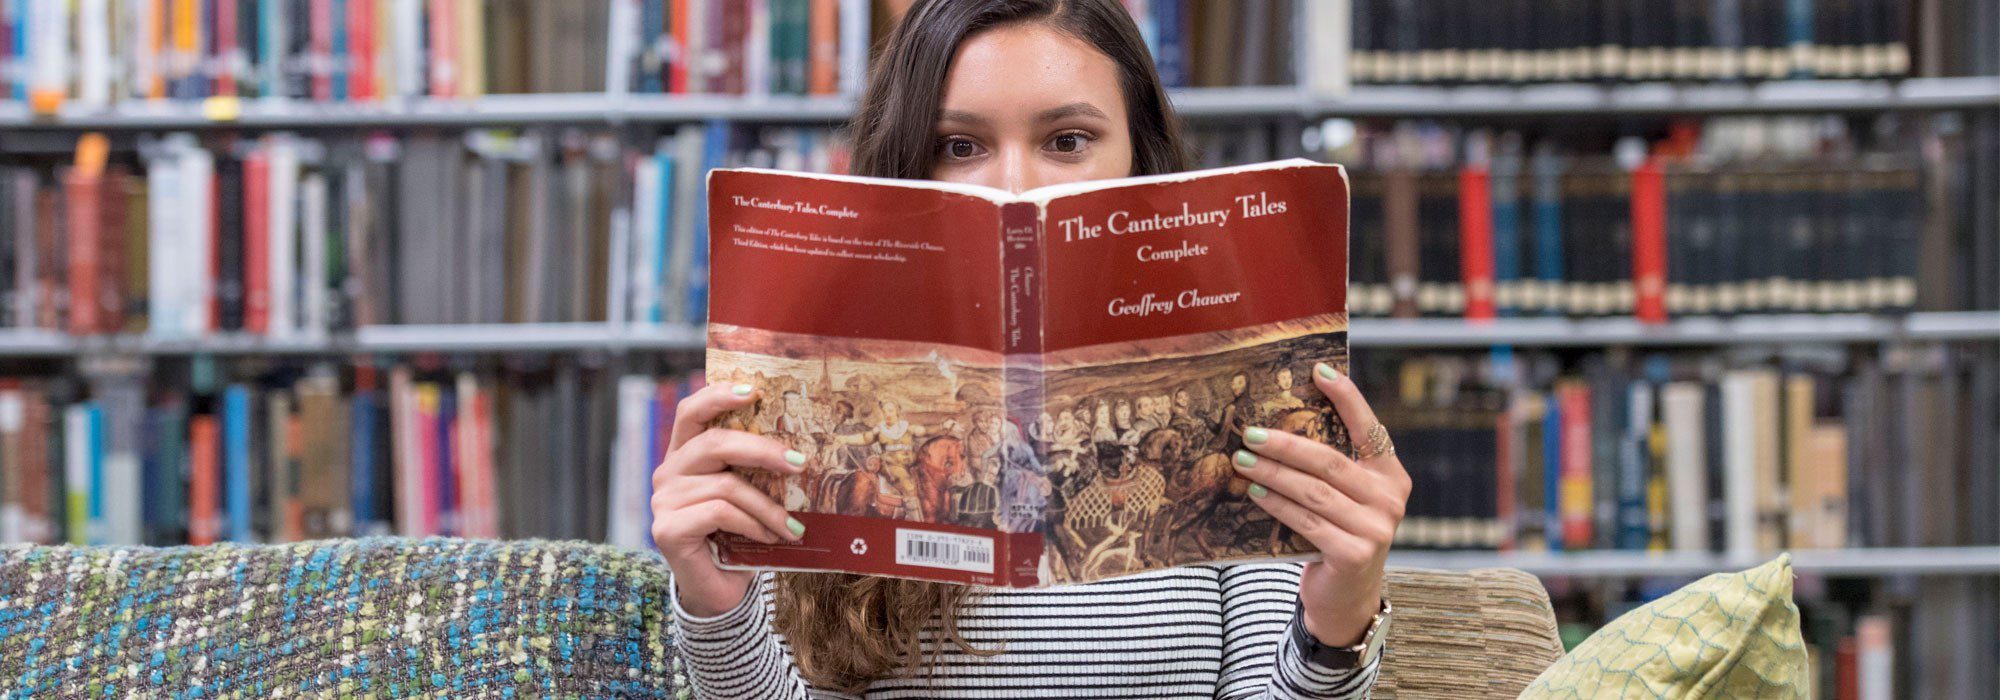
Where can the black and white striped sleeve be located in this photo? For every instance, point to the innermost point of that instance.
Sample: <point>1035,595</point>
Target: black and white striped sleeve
<point>1258,658</point>
<point>738,655</point>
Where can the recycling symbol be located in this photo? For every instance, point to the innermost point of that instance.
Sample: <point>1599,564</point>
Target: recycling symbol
<point>859,547</point>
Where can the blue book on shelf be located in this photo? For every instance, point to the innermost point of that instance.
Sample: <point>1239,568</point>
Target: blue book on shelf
<point>341,65</point>
<point>1506,232</point>
<point>20,11</point>
<point>236,461</point>
<point>1170,30</point>
<point>1634,527</point>
<point>714,154</point>
<point>662,233</point>
<point>270,70</point>
<point>99,527</point>
<point>1799,36</point>
<point>655,413</point>
<point>1552,472</point>
<point>362,451</point>
<point>1548,229</point>
<point>651,21</point>
<point>447,462</point>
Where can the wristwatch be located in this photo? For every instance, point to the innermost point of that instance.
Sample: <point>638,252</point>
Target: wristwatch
<point>1341,658</point>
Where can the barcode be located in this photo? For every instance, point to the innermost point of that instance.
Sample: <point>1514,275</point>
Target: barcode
<point>944,551</point>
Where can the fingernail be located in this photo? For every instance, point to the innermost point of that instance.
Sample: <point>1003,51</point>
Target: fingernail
<point>1256,436</point>
<point>1325,371</point>
<point>798,459</point>
<point>798,528</point>
<point>742,390</point>
<point>1258,491</point>
<point>1245,460</point>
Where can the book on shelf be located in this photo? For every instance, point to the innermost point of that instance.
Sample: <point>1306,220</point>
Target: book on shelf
<point>96,53</point>
<point>1026,414</point>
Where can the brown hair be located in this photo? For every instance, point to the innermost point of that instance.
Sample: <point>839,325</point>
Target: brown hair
<point>847,630</point>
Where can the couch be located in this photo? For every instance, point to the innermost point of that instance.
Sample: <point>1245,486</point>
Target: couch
<point>387,617</point>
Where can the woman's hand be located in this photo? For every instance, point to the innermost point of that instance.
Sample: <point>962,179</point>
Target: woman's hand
<point>695,496</point>
<point>1347,508</point>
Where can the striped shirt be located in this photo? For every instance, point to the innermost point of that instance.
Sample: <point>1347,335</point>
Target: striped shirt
<point>1191,632</point>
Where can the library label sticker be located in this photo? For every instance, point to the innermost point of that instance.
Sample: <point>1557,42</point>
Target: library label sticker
<point>943,550</point>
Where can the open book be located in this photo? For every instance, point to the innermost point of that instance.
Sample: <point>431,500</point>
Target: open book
<point>1025,390</point>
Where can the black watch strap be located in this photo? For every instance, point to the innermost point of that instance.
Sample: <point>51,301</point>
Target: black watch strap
<point>1338,658</point>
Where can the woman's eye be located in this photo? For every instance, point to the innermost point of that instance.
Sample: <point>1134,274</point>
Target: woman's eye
<point>1068,143</point>
<point>960,148</point>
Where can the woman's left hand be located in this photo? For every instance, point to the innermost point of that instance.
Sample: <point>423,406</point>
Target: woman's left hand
<point>1348,508</point>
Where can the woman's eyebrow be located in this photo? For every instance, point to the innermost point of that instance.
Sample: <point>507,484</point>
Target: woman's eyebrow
<point>1073,109</point>
<point>961,116</point>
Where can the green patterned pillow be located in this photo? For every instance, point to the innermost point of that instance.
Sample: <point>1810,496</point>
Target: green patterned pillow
<point>1728,635</point>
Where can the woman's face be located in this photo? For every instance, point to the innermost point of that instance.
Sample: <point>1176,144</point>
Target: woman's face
<point>1026,106</point>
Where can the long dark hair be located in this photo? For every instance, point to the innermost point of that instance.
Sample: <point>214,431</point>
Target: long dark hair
<point>848,630</point>
<point>894,129</point>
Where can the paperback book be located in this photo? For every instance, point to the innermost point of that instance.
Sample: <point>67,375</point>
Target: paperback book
<point>1025,390</point>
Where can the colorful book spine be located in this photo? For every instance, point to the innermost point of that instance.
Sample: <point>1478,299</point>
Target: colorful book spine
<point>1475,236</point>
<point>1649,242</point>
<point>236,455</point>
<point>1578,502</point>
<point>361,449</point>
<point>79,476</point>
<point>204,480</point>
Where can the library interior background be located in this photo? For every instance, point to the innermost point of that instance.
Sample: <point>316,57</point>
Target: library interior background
<point>1661,288</point>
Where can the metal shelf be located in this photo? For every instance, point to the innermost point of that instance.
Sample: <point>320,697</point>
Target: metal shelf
<point>1194,103</point>
<point>1410,333</point>
<point>1921,561</point>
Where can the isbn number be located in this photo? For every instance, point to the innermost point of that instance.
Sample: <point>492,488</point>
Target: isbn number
<point>943,550</point>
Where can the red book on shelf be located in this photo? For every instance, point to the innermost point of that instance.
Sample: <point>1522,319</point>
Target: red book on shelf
<point>204,480</point>
<point>428,456</point>
<point>1846,671</point>
<point>823,58</point>
<point>443,59</point>
<point>121,195</point>
<point>680,55</point>
<point>732,39</point>
<point>227,48</point>
<point>361,50</point>
<point>50,293</point>
<point>83,199</point>
<point>257,242</point>
<point>320,24</point>
<point>1576,507</point>
<point>1649,242</point>
<point>1475,240</point>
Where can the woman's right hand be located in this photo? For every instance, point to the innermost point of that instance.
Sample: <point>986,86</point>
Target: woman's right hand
<point>695,496</point>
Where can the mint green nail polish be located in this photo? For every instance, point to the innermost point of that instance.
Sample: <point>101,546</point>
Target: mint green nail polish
<point>798,528</point>
<point>742,389</point>
<point>1326,371</point>
<point>1258,491</point>
<point>1256,436</point>
<point>796,458</point>
<point>1245,460</point>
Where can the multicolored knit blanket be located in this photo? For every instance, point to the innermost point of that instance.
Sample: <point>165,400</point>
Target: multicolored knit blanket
<point>378,617</point>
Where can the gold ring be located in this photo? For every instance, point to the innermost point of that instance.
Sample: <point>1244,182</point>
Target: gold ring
<point>1378,443</point>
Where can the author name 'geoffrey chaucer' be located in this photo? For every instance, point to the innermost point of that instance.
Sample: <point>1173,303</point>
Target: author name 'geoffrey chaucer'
<point>1153,304</point>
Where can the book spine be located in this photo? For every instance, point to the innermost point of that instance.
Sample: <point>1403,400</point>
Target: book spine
<point>1022,260</point>
<point>1577,500</point>
<point>361,83</point>
<point>340,77</point>
<point>77,474</point>
<point>236,455</point>
<point>823,52</point>
<point>205,480</point>
<point>229,250</point>
<point>361,452</point>
<point>256,238</point>
<point>1649,242</point>
<point>84,204</point>
<point>1475,238</point>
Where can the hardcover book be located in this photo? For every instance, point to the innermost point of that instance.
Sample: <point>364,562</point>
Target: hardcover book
<point>1025,390</point>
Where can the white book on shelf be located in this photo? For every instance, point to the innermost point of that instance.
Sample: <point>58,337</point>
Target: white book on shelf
<point>1739,462</point>
<point>688,147</point>
<point>630,474</point>
<point>854,27</point>
<point>48,44</point>
<point>195,271</point>
<point>757,50</point>
<point>122,479</point>
<point>13,520</point>
<point>621,46</point>
<point>645,283</point>
<point>163,220</point>
<point>84,522</point>
<point>407,462</point>
<point>271,46</point>
<point>93,49</point>
<point>409,22</point>
<point>313,208</point>
<point>1328,44</point>
<point>619,293</point>
<point>142,65</point>
<point>1686,468</point>
<point>281,236</point>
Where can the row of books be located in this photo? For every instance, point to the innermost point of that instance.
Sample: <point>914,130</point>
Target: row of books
<point>288,236</point>
<point>1538,452</point>
<point>96,52</point>
<point>1513,41</point>
<point>312,452</point>
<point>1201,43</point>
<point>1472,224</point>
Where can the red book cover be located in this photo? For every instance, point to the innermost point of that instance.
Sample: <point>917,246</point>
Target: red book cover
<point>256,242</point>
<point>32,489</point>
<point>83,200</point>
<point>1576,506</point>
<point>361,50</point>
<point>1649,241</point>
<point>443,59</point>
<point>679,54</point>
<point>1475,240</point>
<point>1026,390</point>
<point>320,24</point>
<point>204,480</point>
<point>228,51</point>
<point>51,296</point>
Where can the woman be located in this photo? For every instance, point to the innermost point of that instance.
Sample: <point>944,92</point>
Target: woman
<point>1018,94</point>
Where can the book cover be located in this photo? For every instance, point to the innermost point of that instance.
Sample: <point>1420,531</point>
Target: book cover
<point>1026,390</point>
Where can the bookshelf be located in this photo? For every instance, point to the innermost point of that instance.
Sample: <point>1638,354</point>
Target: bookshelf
<point>1561,99</point>
<point>1367,333</point>
<point>1857,562</point>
